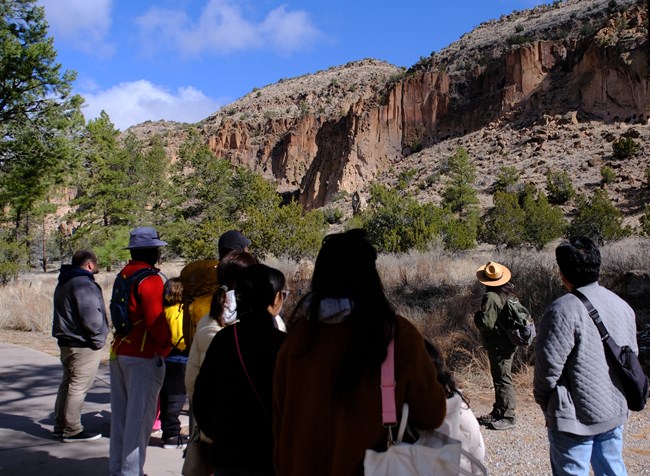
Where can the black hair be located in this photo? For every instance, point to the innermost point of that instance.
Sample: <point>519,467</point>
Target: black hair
<point>257,287</point>
<point>579,260</point>
<point>146,255</point>
<point>82,257</point>
<point>345,268</point>
<point>505,291</point>
<point>445,378</point>
<point>228,271</point>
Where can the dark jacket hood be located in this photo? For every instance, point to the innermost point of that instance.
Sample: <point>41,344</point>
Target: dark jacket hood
<point>68,272</point>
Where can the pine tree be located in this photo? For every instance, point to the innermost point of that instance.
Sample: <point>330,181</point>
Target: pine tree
<point>459,195</point>
<point>39,116</point>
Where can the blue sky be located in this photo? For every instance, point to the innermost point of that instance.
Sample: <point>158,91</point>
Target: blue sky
<point>184,59</point>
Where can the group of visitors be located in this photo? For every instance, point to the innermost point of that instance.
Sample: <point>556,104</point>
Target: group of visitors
<point>309,401</point>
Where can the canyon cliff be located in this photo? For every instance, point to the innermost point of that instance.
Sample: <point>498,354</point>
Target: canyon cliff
<point>331,133</point>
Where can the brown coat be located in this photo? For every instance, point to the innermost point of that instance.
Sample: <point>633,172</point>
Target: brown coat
<point>316,433</point>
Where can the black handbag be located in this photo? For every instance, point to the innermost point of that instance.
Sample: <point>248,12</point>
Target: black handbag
<point>624,361</point>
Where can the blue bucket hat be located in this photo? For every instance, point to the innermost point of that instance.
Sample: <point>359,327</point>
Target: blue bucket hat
<point>145,237</point>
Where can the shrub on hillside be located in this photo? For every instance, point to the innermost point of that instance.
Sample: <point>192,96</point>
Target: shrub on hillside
<point>645,221</point>
<point>598,219</point>
<point>333,215</point>
<point>396,223</point>
<point>504,224</point>
<point>625,147</point>
<point>559,187</point>
<point>543,222</point>
<point>507,180</point>
<point>607,175</point>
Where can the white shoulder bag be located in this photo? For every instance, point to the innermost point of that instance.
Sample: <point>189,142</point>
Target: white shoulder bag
<point>433,454</point>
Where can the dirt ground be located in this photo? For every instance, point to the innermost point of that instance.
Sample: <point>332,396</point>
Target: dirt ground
<point>519,451</point>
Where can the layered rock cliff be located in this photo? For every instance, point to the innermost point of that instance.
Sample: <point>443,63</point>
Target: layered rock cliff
<point>338,130</point>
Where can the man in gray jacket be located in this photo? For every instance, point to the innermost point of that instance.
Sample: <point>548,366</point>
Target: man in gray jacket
<point>80,326</point>
<point>582,401</point>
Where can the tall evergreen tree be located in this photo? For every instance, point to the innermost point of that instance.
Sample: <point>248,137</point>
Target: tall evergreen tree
<point>459,194</point>
<point>106,196</point>
<point>39,116</point>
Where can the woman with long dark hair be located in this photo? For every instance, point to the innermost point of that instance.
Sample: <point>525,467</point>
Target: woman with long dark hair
<point>327,398</point>
<point>232,396</point>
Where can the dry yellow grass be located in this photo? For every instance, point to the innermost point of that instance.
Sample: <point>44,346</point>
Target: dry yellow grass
<point>436,290</point>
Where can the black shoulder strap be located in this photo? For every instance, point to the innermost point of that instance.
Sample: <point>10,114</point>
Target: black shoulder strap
<point>593,313</point>
<point>137,277</point>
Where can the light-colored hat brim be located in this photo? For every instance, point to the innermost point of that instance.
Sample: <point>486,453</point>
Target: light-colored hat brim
<point>480,275</point>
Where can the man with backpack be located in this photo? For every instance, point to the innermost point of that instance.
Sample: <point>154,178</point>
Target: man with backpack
<point>80,326</point>
<point>137,354</point>
<point>575,385</point>
<point>491,320</point>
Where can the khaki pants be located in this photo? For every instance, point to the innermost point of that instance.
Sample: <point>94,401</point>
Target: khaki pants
<point>80,366</point>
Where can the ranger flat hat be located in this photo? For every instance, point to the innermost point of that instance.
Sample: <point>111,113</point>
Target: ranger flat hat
<point>493,274</point>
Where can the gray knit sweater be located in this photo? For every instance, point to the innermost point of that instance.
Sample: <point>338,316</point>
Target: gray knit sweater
<point>573,385</point>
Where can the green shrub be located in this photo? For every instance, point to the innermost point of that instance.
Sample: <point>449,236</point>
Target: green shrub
<point>507,179</point>
<point>559,187</point>
<point>645,221</point>
<point>598,219</point>
<point>286,231</point>
<point>333,215</point>
<point>587,30</point>
<point>13,257</point>
<point>460,233</point>
<point>519,40</point>
<point>405,178</point>
<point>396,223</point>
<point>607,175</point>
<point>625,147</point>
<point>504,223</point>
<point>543,222</point>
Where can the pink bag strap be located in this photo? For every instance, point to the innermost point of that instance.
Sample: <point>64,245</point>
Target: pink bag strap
<point>388,409</point>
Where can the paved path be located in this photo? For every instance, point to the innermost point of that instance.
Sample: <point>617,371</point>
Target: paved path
<point>29,380</point>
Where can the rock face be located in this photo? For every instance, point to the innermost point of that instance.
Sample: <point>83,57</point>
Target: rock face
<point>337,130</point>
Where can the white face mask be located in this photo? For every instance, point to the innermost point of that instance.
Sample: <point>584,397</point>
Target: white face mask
<point>230,308</point>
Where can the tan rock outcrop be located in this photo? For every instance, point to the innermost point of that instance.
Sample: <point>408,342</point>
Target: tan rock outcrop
<point>338,130</point>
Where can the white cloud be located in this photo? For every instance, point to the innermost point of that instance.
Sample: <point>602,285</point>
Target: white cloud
<point>222,28</point>
<point>83,24</point>
<point>135,102</point>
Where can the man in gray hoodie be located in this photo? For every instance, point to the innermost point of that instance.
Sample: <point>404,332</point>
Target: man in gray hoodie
<point>582,401</point>
<point>80,326</point>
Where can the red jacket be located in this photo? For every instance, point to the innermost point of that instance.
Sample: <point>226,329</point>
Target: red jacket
<point>150,334</point>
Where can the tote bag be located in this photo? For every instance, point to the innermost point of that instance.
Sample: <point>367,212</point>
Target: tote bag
<point>432,454</point>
